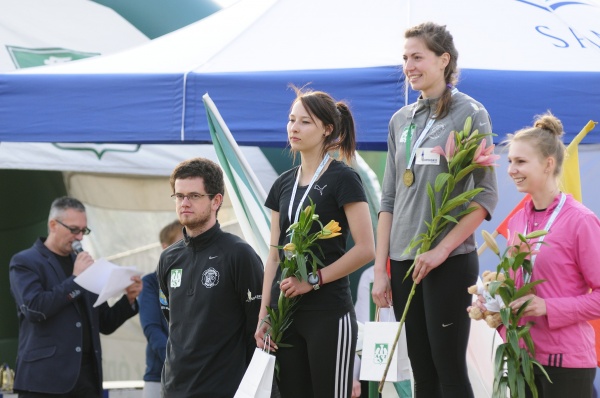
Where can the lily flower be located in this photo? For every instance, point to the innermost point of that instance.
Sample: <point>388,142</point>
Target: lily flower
<point>513,242</point>
<point>450,148</point>
<point>485,156</point>
<point>293,226</point>
<point>490,241</point>
<point>288,250</point>
<point>308,210</point>
<point>331,230</point>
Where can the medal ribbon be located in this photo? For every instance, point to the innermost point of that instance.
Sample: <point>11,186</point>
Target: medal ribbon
<point>563,198</point>
<point>413,153</point>
<point>411,128</point>
<point>312,181</point>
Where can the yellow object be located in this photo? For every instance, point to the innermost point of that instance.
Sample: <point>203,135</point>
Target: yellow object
<point>7,377</point>
<point>570,181</point>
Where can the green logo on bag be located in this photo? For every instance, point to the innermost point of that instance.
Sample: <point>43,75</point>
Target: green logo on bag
<point>381,353</point>
<point>176,277</point>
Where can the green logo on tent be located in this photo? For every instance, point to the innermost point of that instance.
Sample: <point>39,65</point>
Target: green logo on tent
<point>24,57</point>
<point>99,149</point>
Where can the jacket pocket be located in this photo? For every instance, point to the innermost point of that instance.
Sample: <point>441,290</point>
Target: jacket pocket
<point>39,353</point>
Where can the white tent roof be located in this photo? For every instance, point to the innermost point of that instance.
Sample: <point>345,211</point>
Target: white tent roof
<point>272,35</point>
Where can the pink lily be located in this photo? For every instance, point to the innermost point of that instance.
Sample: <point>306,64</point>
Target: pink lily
<point>512,241</point>
<point>450,148</point>
<point>485,156</point>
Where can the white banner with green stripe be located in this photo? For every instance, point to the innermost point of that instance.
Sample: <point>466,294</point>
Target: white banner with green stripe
<point>246,193</point>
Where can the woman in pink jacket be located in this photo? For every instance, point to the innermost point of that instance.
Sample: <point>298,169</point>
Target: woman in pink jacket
<point>569,263</point>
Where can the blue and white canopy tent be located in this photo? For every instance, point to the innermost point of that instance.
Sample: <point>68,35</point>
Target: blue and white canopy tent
<point>518,57</point>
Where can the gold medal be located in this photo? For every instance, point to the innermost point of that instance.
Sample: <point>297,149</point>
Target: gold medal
<point>408,177</point>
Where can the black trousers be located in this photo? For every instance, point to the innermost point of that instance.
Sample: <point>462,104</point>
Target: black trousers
<point>566,382</point>
<point>438,325</point>
<point>321,360</point>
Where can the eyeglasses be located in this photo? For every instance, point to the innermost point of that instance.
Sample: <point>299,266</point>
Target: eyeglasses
<point>192,197</point>
<point>75,230</point>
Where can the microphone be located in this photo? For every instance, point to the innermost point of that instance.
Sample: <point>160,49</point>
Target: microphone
<point>76,246</point>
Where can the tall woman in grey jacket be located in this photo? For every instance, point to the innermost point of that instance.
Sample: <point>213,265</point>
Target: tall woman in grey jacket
<point>437,326</point>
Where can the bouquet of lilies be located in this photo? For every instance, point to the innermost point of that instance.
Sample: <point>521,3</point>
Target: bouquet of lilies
<point>465,151</point>
<point>515,359</point>
<point>299,260</point>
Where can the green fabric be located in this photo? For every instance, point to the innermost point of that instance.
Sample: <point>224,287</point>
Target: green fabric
<point>403,388</point>
<point>155,18</point>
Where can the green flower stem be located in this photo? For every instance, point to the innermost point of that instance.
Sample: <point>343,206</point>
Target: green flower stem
<point>276,337</point>
<point>424,246</point>
<point>389,361</point>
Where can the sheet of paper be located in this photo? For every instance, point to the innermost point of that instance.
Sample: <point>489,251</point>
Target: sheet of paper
<point>106,279</point>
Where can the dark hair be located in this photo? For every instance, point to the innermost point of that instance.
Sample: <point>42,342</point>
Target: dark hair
<point>62,204</point>
<point>210,172</point>
<point>168,235</point>
<point>322,106</point>
<point>439,40</point>
<point>546,137</point>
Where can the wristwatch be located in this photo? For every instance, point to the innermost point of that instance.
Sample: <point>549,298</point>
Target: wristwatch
<point>314,280</point>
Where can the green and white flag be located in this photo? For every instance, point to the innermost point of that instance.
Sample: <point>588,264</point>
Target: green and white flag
<point>246,193</point>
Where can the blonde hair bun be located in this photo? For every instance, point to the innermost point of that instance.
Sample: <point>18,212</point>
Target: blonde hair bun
<point>549,122</point>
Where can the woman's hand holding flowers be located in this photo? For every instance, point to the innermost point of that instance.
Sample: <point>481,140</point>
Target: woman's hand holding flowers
<point>536,306</point>
<point>261,332</point>
<point>428,261</point>
<point>292,287</point>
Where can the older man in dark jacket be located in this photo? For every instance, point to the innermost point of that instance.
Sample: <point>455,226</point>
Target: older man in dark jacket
<point>59,329</point>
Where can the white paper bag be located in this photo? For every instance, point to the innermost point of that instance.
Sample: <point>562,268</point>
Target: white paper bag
<point>258,379</point>
<point>378,340</point>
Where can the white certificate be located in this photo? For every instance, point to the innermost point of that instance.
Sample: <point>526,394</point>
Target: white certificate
<point>106,279</point>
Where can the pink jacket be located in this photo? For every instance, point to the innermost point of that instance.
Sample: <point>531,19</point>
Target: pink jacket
<point>570,265</point>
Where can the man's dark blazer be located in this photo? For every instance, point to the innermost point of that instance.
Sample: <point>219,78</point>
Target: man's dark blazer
<point>50,324</point>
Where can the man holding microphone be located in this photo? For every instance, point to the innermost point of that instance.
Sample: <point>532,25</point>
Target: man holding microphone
<point>59,350</point>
